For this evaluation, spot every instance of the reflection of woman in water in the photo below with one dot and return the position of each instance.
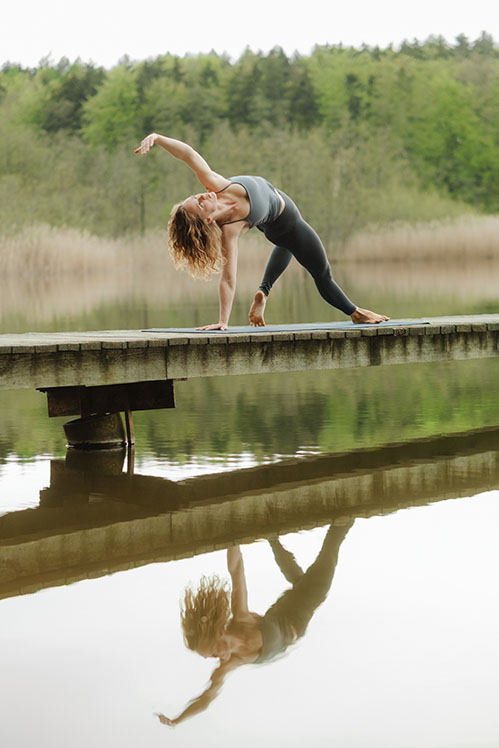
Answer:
(204, 231)
(217, 623)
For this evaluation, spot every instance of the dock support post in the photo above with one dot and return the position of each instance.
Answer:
(130, 432)
(99, 408)
(96, 432)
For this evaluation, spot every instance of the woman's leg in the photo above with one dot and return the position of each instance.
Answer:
(277, 264)
(293, 236)
(286, 561)
(299, 603)
(308, 249)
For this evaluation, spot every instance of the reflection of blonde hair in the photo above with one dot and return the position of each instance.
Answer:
(205, 612)
(194, 244)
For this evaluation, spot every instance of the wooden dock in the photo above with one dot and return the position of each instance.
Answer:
(96, 359)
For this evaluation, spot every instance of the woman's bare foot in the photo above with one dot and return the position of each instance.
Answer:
(365, 316)
(256, 311)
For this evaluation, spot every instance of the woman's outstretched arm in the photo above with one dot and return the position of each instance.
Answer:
(200, 703)
(186, 153)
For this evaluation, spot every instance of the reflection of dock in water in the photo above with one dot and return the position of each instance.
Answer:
(91, 522)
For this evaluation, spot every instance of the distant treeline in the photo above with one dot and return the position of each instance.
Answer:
(357, 136)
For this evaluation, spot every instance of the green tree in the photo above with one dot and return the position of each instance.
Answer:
(110, 117)
(64, 106)
(242, 87)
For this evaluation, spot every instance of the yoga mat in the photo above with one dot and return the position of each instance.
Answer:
(290, 328)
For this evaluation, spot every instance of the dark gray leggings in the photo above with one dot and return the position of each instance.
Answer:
(293, 237)
(310, 588)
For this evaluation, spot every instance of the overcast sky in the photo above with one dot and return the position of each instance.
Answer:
(103, 30)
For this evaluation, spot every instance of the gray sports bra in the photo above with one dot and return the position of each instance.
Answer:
(277, 636)
(265, 201)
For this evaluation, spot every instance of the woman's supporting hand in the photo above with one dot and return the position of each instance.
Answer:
(218, 326)
(147, 144)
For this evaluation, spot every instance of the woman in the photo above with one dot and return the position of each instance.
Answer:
(205, 228)
(217, 623)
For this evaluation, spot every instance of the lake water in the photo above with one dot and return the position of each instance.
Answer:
(95, 552)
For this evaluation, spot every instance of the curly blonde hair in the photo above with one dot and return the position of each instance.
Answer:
(205, 612)
(194, 244)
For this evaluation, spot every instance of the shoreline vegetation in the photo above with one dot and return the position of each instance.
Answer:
(66, 273)
(463, 238)
(359, 137)
(42, 251)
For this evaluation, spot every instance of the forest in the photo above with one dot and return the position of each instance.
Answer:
(359, 137)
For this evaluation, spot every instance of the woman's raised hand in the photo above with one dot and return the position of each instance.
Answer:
(147, 144)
